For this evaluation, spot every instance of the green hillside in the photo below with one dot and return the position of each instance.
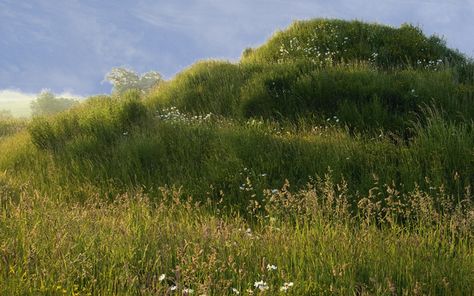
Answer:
(338, 157)
(370, 76)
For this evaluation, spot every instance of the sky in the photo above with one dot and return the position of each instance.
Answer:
(68, 46)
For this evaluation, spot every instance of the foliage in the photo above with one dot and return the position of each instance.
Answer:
(47, 104)
(124, 79)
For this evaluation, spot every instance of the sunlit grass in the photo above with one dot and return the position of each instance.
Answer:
(300, 243)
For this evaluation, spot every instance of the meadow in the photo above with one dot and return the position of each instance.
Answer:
(335, 159)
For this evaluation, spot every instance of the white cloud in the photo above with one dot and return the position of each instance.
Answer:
(8, 95)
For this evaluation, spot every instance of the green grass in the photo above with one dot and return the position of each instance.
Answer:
(363, 97)
(97, 248)
(88, 146)
(9, 126)
(325, 42)
(352, 175)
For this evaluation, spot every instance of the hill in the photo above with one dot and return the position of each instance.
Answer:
(337, 158)
(370, 76)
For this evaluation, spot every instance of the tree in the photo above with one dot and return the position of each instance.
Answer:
(124, 79)
(5, 114)
(47, 104)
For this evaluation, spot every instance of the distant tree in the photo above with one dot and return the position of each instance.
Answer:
(124, 79)
(47, 103)
(5, 114)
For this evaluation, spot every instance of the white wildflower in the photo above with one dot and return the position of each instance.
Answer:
(162, 277)
(261, 285)
(271, 267)
(286, 286)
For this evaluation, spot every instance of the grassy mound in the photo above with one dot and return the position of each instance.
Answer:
(326, 42)
(322, 117)
(370, 77)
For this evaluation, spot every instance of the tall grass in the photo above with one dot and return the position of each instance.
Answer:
(9, 126)
(133, 246)
(361, 96)
(212, 154)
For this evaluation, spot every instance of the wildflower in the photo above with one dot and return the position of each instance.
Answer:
(187, 291)
(271, 267)
(261, 285)
(263, 175)
(274, 191)
(162, 277)
(173, 288)
(125, 133)
(235, 291)
(286, 286)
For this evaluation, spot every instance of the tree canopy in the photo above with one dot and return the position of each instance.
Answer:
(124, 79)
(47, 103)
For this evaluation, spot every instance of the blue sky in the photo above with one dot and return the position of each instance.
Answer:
(69, 45)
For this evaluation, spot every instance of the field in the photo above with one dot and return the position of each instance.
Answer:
(335, 159)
